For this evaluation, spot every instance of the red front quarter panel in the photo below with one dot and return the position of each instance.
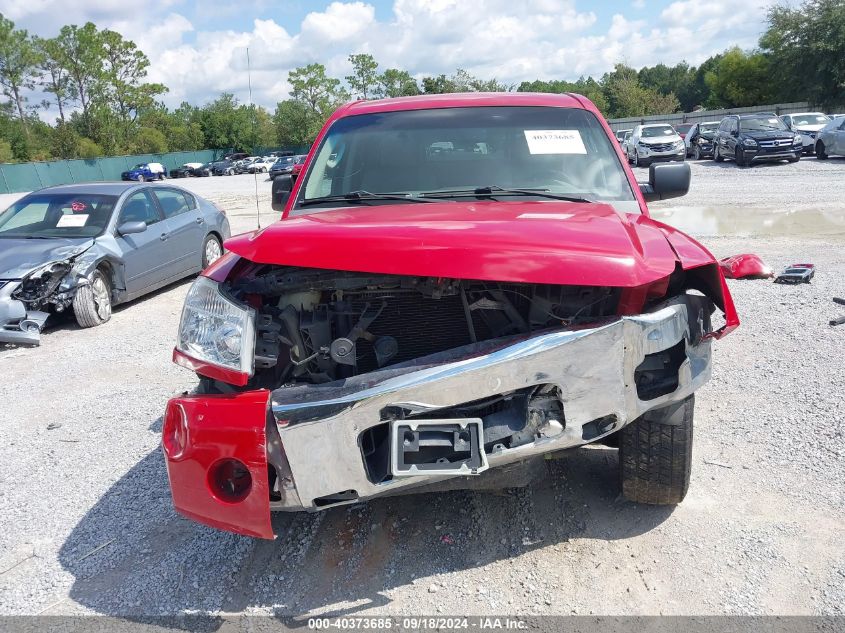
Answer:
(219, 427)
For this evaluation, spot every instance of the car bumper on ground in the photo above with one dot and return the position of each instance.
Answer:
(309, 437)
(17, 325)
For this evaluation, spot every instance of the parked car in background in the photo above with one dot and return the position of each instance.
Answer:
(223, 168)
(235, 156)
(620, 135)
(682, 129)
(262, 165)
(145, 171)
(242, 166)
(807, 124)
(831, 139)
(655, 142)
(748, 138)
(420, 316)
(284, 165)
(186, 170)
(699, 139)
(204, 170)
(836, 116)
(297, 167)
(89, 246)
(626, 138)
(796, 274)
(282, 153)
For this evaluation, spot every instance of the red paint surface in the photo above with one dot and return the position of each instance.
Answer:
(745, 265)
(218, 427)
(211, 370)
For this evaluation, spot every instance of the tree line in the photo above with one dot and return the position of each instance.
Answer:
(95, 80)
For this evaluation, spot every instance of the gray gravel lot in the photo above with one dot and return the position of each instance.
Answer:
(87, 525)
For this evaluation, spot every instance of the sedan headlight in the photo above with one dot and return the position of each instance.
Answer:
(749, 142)
(215, 329)
(678, 144)
(797, 139)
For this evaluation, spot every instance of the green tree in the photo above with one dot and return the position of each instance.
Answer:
(364, 78)
(311, 86)
(397, 83)
(6, 155)
(806, 48)
(55, 78)
(65, 141)
(438, 85)
(81, 53)
(294, 123)
(89, 149)
(19, 60)
(740, 79)
(148, 140)
(588, 87)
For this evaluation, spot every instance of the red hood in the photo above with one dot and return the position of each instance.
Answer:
(531, 242)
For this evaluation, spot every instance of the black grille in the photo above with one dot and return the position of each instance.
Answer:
(660, 147)
(420, 325)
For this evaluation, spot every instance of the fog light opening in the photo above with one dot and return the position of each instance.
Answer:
(230, 480)
(174, 435)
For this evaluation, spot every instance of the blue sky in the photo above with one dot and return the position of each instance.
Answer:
(198, 47)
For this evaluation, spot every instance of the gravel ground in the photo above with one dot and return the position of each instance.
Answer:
(88, 526)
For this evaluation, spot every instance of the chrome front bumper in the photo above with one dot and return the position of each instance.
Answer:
(16, 324)
(319, 426)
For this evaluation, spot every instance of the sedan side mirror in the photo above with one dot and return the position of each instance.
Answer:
(128, 228)
(282, 186)
(666, 181)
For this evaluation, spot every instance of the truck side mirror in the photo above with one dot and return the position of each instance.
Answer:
(666, 181)
(282, 186)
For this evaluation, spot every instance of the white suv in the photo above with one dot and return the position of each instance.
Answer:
(808, 125)
(650, 143)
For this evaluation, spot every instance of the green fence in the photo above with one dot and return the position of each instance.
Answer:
(16, 177)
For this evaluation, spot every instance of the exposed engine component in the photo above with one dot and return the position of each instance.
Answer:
(316, 326)
(37, 287)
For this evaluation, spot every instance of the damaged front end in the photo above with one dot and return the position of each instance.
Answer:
(26, 303)
(361, 385)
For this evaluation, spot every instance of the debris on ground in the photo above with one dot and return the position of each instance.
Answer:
(745, 266)
(796, 274)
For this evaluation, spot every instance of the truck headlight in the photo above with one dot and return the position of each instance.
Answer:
(216, 330)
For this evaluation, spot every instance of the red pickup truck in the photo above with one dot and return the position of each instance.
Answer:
(458, 283)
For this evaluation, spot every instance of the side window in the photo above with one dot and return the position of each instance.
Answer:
(139, 207)
(172, 202)
(734, 126)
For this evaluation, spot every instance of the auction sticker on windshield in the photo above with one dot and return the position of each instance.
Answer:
(72, 219)
(555, 142)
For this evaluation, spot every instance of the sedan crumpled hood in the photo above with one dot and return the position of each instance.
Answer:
(529, 242)
(20, 256)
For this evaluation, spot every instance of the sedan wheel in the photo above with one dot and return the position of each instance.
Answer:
(141, 178)
(92, 303)
(696, 153)
(212, 250)
(820, 153)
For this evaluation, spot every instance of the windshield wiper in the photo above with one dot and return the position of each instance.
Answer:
(362, 196)
(495, 190)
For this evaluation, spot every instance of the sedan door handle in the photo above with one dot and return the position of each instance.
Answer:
(163, 237)
(200, 220)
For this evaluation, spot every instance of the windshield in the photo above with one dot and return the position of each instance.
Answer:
(683, 128)
(809, 119)
(287, 160)
(707, 128)
(140, 166)
(57, 215)
(657, 130)
(457, 150)
(761, 124)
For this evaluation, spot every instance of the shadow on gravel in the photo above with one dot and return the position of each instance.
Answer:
(133, 557)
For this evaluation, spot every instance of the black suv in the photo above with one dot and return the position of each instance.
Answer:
(746, 138)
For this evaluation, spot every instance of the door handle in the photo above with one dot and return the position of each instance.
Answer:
(200, 220)
(163, 237)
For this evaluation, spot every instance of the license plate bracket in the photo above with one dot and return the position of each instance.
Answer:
(437, 447)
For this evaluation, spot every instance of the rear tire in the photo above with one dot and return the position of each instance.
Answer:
(92, 302)
(141, 178)
(655, 455)
(696, 153)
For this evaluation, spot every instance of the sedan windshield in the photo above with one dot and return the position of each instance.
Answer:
(809, 119)
(453, 153)
(49, 215)
(658, 130)
(707, 128)
(761, 124)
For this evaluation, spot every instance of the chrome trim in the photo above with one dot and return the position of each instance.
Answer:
(320, 425)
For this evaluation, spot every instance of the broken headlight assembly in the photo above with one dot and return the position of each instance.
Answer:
(42, 282)
(216, 334)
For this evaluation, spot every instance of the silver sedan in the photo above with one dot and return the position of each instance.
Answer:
(831, 139)
(87, 247)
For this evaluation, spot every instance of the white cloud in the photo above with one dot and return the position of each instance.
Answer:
(512, 41)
